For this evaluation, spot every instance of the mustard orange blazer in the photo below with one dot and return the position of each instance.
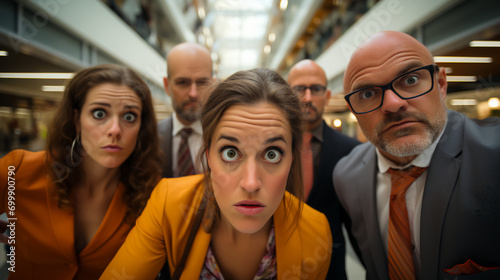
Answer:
(44, 233)
(303, 250)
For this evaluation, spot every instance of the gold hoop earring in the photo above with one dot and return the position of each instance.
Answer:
(75, 141)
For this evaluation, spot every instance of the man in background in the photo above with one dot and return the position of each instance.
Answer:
(322, 149)
(189, 75)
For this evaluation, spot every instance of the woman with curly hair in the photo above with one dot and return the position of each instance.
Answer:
(73, 204)
(244, 218)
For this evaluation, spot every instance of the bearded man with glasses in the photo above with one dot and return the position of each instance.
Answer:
(323, 147)
(423, 196)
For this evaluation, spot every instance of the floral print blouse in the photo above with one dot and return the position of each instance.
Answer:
(267, 268)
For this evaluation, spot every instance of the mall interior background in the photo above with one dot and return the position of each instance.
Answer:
(44, 42)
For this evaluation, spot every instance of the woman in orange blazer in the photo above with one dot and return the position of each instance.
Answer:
(69, 208)
(252, 221)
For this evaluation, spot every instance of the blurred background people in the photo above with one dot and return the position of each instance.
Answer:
(322, 148)
(189, 75)
(76, 202)
(245, 213)
(423, 194)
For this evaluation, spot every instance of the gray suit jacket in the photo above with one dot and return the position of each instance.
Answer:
(165, 134)
(460, 218)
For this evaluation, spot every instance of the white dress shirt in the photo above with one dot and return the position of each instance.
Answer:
(413, 197)
(194, 140)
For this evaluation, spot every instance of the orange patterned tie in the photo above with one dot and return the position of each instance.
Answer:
(400, 247)
(307, 163)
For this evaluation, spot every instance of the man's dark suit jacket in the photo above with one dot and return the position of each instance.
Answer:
(165, 133)
(323, 198)
(460, 216)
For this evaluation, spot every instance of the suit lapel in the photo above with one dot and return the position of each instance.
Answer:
(166, 143)
(366, 188)
(441, 180)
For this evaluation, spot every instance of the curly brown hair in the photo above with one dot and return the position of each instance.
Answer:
(251, 87)
(141, 170)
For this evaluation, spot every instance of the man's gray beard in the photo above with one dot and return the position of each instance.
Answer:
(190, 115)
(434, 129)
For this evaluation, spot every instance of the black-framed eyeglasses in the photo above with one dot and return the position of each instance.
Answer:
(317, 90)
(407, 86)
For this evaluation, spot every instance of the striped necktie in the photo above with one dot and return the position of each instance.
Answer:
(400, 247)
(185, 165)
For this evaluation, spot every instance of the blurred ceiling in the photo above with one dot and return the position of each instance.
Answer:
(238, 33)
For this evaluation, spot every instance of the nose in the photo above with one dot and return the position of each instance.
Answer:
(250, 180)
(392, 102)
(114, 129)
(193, 91)
(306, 98)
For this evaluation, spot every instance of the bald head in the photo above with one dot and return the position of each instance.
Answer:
(190, 54)
(309, 80)
(189, 74)
(306, 67)
(383, 50)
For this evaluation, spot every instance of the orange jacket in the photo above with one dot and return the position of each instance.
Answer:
(303, 251)
(44, 233)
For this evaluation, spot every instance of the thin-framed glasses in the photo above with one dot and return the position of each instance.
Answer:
(183, 83)
(317, 90)
(407, 86)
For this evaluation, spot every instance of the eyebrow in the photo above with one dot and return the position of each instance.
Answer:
(109, 105)
(407, 68)
(270, 140)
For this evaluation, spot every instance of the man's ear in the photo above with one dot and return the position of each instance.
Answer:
(442, 83)
(165, 85)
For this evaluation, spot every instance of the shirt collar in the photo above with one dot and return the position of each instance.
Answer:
(177, 126)
(422, 160)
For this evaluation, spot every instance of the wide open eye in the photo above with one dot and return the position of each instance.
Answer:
(230, 154)
(273, 155)
(99, 114)
(410, 80)
(129, 117)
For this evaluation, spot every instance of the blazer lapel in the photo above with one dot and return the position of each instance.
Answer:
(63, 225)
(441, 180)
(288, 247)
(110, 223)
(366, 188)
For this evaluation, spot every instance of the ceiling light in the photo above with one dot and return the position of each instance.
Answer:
(4, 53)
(283, 4)
(463, 102)
(448, 70)
(272, 37)
(494, 102)
(462, 59)
(53, 88)
(484, 44)
(337, 123)
(60, 76)
(469, 79)
(267, 49)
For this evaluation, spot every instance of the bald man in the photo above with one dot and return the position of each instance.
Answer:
(451, 224)
(189, 75)
(309, 80)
